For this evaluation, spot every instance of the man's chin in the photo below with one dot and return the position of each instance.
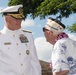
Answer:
(18, 28)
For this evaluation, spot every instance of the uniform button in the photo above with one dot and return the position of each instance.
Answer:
(22, 74)
(8, 48)
(19, 53)
(27, 52)
(21, 64)
(16, 43)
(26, 44)
(13, 35)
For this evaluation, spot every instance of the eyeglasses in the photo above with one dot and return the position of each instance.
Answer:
(44, 29)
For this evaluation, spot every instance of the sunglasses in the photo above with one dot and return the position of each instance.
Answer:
(44, 29)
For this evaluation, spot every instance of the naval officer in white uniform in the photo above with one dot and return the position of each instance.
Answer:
(17, 50)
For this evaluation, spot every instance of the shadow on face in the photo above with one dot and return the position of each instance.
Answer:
(12, 23)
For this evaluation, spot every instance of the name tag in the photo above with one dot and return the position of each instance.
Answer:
(7, 43)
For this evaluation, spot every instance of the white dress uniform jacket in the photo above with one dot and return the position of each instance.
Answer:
(18, 54)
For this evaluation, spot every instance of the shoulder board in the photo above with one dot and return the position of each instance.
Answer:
(27, 31)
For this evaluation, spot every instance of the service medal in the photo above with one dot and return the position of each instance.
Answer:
(23, 38)
(27, 52)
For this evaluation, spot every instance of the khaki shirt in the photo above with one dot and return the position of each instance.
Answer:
(18, 54)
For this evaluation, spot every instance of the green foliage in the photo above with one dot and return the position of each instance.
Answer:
(52, 7)
(29, 6)
(43, 8)
(72, 28)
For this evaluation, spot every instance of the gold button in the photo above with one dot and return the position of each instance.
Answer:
(26, 44)
(27, 52)
(13, 35)
(19, 53)
(8, 48)
(21, 64)
(16, 43)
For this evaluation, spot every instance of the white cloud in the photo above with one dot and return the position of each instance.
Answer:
(1, 8)
(72, 36)
(44, 48)
(28, 22)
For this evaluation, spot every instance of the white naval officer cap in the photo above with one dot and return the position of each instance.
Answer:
(14, 11)
(54, 25)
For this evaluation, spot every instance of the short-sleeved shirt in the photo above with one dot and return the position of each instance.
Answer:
(64, 56)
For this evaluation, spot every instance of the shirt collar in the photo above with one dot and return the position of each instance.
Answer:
(9, 32)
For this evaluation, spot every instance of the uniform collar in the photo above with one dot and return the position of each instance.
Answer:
(9, 32)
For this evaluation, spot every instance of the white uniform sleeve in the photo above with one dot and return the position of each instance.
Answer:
(36, 67)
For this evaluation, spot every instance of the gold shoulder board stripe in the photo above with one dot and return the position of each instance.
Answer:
(27, 31)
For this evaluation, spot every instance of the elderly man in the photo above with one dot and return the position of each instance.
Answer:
(17, 50)
(63, 57)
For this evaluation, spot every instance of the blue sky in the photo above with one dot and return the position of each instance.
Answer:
(36, 25)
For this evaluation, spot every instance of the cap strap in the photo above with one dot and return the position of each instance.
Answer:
(16, 15)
